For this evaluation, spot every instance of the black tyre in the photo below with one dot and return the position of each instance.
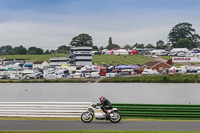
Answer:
(87, 117)
(115, 117)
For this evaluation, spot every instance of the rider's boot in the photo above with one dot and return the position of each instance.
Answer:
(107, 115)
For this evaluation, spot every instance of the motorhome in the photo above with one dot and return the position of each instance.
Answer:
(173, 70)
(30, 74)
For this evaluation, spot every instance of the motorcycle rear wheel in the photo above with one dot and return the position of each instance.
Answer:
(115, 117)
(87, 117)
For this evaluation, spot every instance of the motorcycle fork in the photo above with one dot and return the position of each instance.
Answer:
(89, 113)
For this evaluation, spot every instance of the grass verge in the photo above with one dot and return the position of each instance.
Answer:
(83, 80)
(157, 79)
(99, 131)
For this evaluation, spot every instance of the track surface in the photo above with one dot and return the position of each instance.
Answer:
(25, 125)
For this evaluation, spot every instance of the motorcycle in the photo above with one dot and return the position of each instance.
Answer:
(96, 112)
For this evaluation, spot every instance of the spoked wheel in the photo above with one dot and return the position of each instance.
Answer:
(87, 117)
(115, 117)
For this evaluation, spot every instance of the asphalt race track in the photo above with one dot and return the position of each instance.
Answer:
(33, 125)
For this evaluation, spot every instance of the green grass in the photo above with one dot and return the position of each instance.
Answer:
(82, 80)
(157, 79)
(34, 58)
(113, 59)
(166, 57)
(99, 59)
(96, 131)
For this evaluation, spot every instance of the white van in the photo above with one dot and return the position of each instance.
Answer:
(95, 75)
(149, 72)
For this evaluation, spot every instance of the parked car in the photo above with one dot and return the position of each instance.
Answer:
(165, 53)
(154, 56)
(173, 54)
(75, 75)
(198, 71)
(87, 75)
(181, 54)
(149, 72)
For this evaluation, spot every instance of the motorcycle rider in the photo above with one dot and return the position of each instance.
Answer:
(106, 105)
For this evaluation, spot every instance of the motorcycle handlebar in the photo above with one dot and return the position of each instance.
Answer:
(94, 105)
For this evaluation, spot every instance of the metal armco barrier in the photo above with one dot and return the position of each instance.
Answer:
(42, 109)
(174, 111)
(75, 109)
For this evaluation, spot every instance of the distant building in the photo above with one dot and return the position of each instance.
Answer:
(80, 56)
(58, 61)
(40, 64)
(156, 65)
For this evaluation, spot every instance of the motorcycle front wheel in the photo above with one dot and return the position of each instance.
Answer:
(115, 117)
(87, 117)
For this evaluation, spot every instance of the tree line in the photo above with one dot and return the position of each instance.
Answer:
(21, 50)
(181, 35)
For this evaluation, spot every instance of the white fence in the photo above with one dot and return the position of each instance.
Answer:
(42, 109)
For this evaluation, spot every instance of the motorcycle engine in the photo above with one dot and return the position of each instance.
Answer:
(99, 115)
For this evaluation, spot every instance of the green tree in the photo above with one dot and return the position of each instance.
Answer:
(150, 46)
(101, 48)
(183, 43)
(63, 49)
(181, 31)
(113, 46)
(4, 50)
(127, 47)
(52, 51)
(35, 50)
(20, 50)
(95, 48)
(47, 52)
(82, 40)
(12, 52)
(160, 44)
(39, 51)
(32, 52)
(138, 45)
(167, 46)
(110, 41)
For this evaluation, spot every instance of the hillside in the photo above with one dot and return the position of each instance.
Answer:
(113, 59)
(33, 58)
(99, 59)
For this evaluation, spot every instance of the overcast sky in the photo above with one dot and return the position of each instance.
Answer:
(49, 24)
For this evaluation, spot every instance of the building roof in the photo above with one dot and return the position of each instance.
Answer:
(38, 62)
(151, 63)
(154, 63)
